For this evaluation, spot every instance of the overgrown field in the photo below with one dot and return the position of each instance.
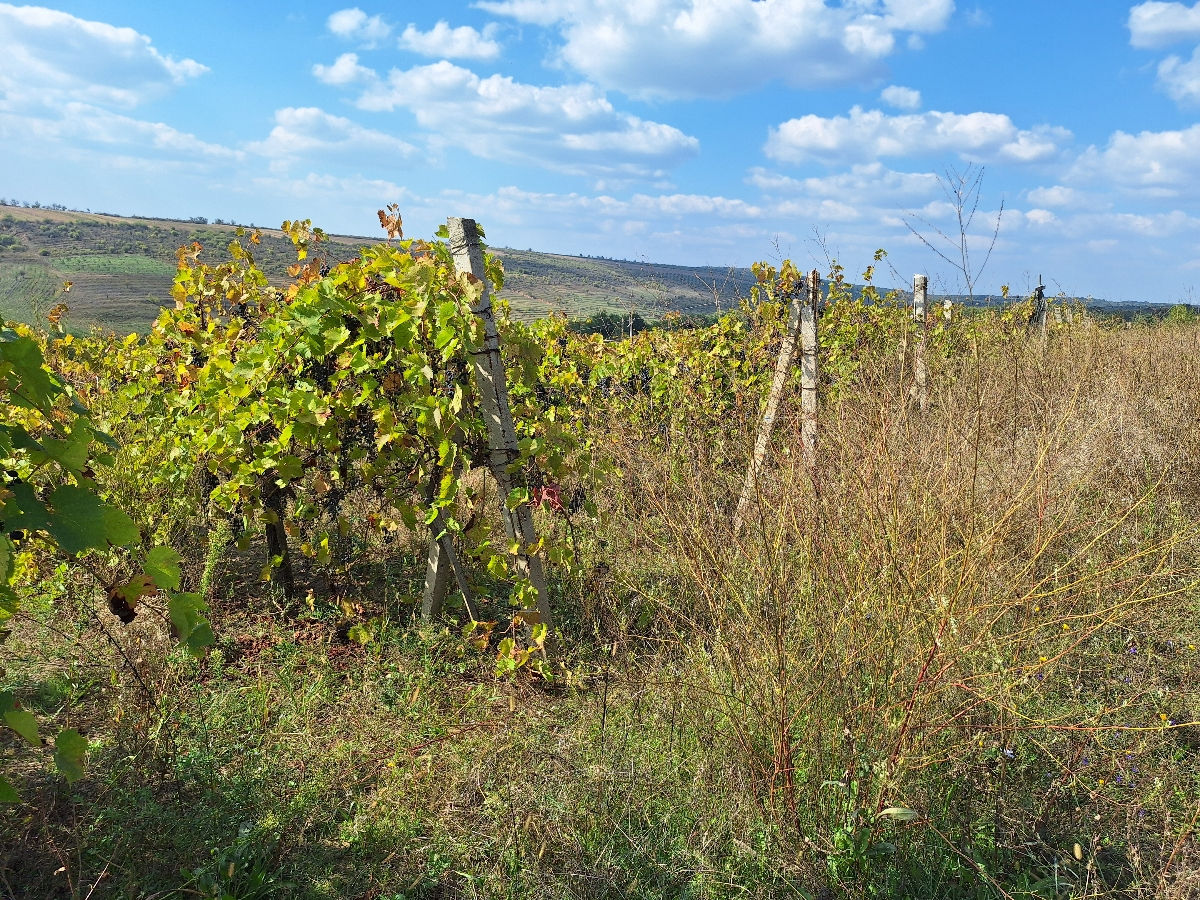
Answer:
(956, 657)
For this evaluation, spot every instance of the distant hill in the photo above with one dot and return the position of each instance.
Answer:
(121, 271)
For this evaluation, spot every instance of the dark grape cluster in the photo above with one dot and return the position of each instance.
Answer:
(320, 371)
(359, 431)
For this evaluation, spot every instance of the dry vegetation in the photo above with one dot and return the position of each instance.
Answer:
(957, 659)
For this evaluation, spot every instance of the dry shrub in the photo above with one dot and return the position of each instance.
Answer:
(935, 616)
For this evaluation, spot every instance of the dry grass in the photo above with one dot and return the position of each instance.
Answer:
(986, 614)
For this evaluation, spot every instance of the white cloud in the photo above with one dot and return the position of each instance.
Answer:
(82, 125)
(355, 25)
(572, 128)
(901, 97)
(693, 48)
(308, 132)
(1181, 79)
(52, 57)
(345, 70)
(1040, 217)
(1056, 196)
(1163, 165)
(445, 42)
(1157, 24)
(442, 41)
(870, 134)
(869, 184)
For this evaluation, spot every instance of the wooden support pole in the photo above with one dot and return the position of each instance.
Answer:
(492, 384)
(783, 369)
(441, 562)
(920, 372)
(274, 502)
(809, 370)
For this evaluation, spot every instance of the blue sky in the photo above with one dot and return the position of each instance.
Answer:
(690, 131)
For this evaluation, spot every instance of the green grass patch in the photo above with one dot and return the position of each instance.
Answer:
(115, 264)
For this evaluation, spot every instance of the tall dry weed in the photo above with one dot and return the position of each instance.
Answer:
(927, 620)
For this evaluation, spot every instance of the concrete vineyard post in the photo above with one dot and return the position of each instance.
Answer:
(809, 370)
(783, 368)
(920, 372)
(492, 385)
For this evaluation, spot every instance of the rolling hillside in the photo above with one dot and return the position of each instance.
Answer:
(121, 271)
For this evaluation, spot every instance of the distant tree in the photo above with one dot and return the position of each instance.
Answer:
(963, 188)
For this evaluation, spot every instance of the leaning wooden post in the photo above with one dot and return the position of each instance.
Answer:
(492, 384)
(783, 369)
(441, 562)
(809, 372)
(920, 373)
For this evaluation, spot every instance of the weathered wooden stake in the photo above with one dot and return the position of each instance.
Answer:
(783, 368)
(809, 371)
(441, 562)
(492, 384)
(920, 374)
(274, 501)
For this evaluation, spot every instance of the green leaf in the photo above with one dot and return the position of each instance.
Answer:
(190, 626)
(71, 454)
(119, 529)
(24, 724)
(70, 748)
(7, 793)
(82, 521)
(162, 565)
(24, 511)
(6, 561)
(37, 387)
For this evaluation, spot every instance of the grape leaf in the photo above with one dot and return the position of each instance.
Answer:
(22, 356)
(70, 747)
(190, 626)
(23, 723)
(23, 511)
(82, 521)
(162, 565)
(7, 794)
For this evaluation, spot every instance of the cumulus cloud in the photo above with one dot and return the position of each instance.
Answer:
(442, 41)
(82, 125)
(901, 97)
(694, 48)
(870, 134)
(309, 132)
(869, 184)
(1162, 165)
(571, 128)
(1056, 196)
(1181, 79)
(355, 25)
(52, 57)
(345, 70)
(445, 42)
(1158, 24)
